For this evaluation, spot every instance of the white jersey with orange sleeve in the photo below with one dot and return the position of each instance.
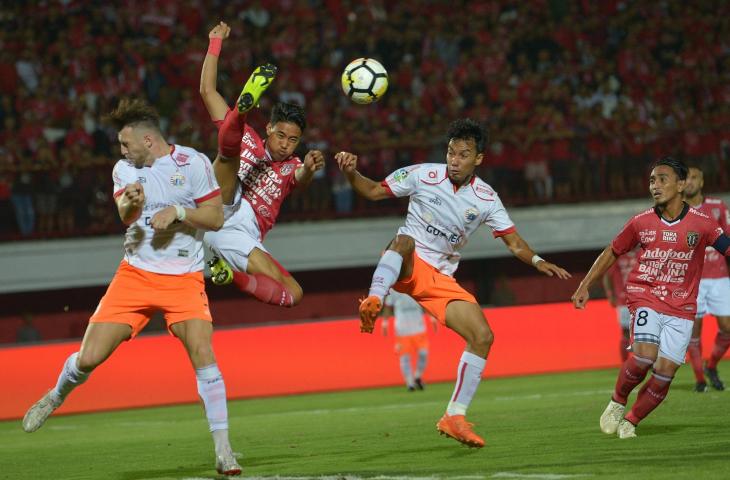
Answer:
(441, 217)
(407, 313)
(183, 177)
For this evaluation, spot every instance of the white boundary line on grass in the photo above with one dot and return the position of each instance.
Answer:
(531, 476)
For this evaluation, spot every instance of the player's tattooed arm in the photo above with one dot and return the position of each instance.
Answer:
(214, 102)
(130, 203)
(598, 269)
(313, 161)
(365, 187)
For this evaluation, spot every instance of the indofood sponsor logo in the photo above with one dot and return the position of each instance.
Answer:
(670, 254)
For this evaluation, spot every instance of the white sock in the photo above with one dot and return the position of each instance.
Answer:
(212, 391)
(421, 362)
(405, 368)
(467, 380)
(69, 378)
(386, 273)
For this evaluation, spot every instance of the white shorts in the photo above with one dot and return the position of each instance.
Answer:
(671, 334)
(624, 317)
(714, 297)
(238, 237)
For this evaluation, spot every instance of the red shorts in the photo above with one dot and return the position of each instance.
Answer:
(410, 344)
(135, 294)
(432, 289)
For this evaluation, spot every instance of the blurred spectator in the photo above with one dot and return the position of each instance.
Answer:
(578, 96)
(27, 332)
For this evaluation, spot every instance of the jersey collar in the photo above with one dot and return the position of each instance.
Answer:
(682, 214)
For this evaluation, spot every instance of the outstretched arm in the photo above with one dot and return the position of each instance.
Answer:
(364, 186)
(520, 249)
(599, 267)
(214, 102)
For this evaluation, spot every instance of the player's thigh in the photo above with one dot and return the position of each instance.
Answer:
(467, 319)
(646, 329)
(226, 172)
(665, 366)
(261, 262)
(674, 338)
(697, 328)
(100, 340)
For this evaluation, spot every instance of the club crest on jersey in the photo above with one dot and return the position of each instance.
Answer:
(471, 214)
(177, 179)
(264, 211)
(400, 175)
(286, 169)
(693, 238)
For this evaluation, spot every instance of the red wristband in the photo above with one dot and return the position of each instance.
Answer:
(214, 47)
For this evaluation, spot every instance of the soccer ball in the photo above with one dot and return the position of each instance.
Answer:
(364, 80)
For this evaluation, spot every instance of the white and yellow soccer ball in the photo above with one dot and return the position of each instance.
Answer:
(365, 80)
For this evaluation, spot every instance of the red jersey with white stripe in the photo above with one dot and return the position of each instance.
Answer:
(264, 182)
(715, 263)
(441, 217)
(667, 273)
(184, 177)
(619, 274)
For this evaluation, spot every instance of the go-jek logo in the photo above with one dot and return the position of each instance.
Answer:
(450, 237)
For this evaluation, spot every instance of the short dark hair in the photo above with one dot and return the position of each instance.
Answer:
(134, 112)
(288, 112)
(466, 129)
(677, 165)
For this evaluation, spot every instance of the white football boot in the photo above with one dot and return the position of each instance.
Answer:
(36, 415)
(226, 464)
(626, 429)
(611, 417)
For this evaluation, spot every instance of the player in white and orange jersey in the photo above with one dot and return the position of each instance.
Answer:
(448, 202)
(167, 195)
(411, 339)
(255, 176)
(714, 294)
(661, 292)
(614, 283)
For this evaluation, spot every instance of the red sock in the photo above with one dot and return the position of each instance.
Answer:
(264, 288)
(624, 346)
(632, 373)
(722, 342)
(230, 134)
(650, 396)
(695, 358)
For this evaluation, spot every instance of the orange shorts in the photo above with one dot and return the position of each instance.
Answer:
(432, 289)
(135, 294)
(411, 343)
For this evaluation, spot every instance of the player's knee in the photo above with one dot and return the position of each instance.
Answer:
(201, 354)
(403, 244)
(482, 338)
(88, 361)
(296, 294)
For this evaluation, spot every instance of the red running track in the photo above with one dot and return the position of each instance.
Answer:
(313, 357)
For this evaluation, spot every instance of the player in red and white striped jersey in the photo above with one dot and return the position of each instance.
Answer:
(255, 176)
(661, 291)
(714, 295)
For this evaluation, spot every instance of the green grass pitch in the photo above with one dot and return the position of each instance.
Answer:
(536, 427)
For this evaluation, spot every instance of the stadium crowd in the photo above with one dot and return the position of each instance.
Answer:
(578, 95)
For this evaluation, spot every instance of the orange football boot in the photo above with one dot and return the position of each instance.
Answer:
(456, 427)
(369, 309)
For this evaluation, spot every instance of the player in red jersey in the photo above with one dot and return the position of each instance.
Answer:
(614, 283)
(255, 176)
(661, 291)
(714, 294)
